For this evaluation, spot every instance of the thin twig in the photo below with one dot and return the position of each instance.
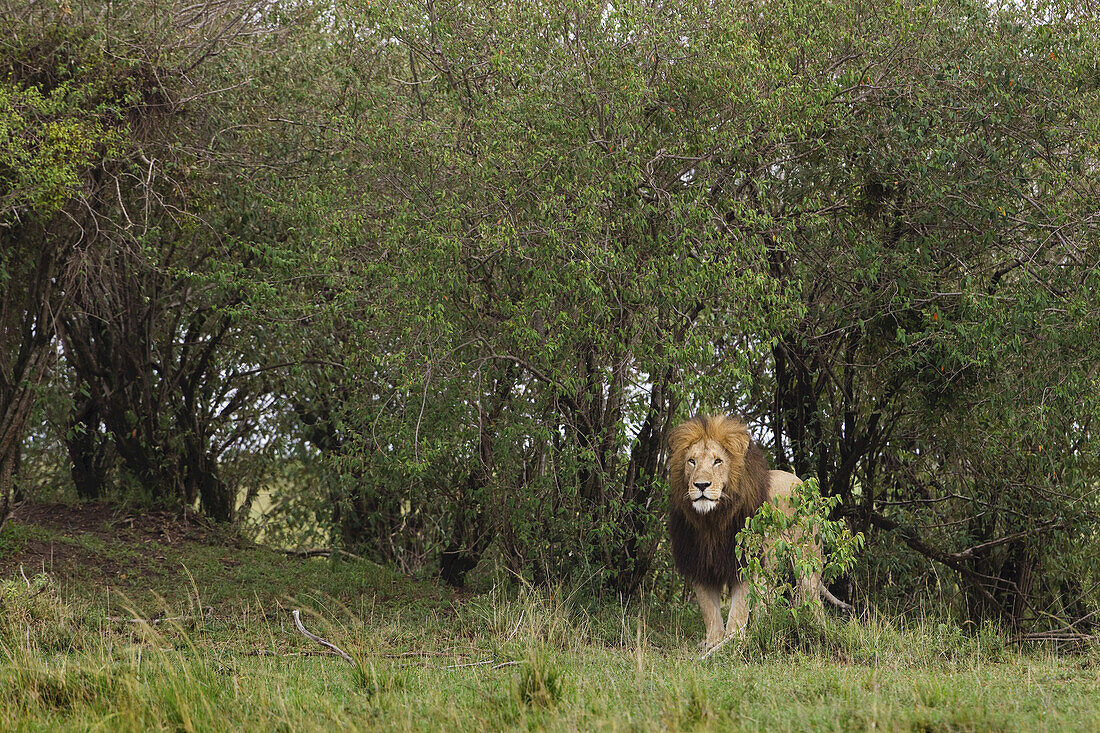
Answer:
(206, 612)
(717, 646)
(269, 653)
(319, 640)
(324, 552)
(506, 664)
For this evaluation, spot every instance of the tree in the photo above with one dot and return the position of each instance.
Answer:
(168, 376)
(478, 259)
(60, 132)
(546, 185)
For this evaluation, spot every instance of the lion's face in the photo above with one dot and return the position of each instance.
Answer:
(707, 470)
(706, 474)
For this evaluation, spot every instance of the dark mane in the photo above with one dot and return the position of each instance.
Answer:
(704, 545)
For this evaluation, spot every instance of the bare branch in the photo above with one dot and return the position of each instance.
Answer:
(717, 646)
(324, 552)
(319, 640)
(970, 551)
(204, 612)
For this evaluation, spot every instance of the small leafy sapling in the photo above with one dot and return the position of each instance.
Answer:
(801, 539)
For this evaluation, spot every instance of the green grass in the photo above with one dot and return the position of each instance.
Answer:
(517, 659)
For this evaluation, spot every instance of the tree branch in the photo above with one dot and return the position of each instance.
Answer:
(909, 536)
(970, 551)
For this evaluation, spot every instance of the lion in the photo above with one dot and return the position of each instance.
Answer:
(719, 478)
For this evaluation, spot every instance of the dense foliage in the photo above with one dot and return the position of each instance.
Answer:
(777, 548)
(444, 275)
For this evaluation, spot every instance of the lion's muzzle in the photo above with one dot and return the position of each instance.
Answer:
(703, 504)
(704, 500)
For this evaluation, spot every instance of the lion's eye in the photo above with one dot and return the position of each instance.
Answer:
(691, 461)
(717, 461)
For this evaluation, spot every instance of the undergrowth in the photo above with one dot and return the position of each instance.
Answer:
(520, 658)
(874, 641)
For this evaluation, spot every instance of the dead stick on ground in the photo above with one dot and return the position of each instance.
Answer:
(324, 552)
(496, 665)
(319, 640)
(268, 653)
(468, 664)
(443, 653)
(717, 646)
(208, 611)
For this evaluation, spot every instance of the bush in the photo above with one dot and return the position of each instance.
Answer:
(802, 540)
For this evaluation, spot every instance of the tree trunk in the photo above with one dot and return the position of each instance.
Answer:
(470, 534)
(7, 476)
(17, 398)
(633, 559)
(86, 449)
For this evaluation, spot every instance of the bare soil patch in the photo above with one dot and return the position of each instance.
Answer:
(97, 543)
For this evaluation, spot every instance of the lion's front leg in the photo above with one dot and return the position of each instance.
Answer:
(710, 603)
(739, 608)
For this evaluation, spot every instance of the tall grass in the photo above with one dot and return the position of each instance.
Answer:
(525, 658)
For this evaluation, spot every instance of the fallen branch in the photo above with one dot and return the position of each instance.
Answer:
(206, 612)
(319, 640)
(468, 664)
(324, 552)
(506, 664)
(433, 653)
(717, 646)
(269, 653)
(496, 665)
(1056, 635)
(337, 652)
(465, 665)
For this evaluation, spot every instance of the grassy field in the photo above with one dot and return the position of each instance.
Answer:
(116, 622)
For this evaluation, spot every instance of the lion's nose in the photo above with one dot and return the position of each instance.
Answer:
(702, 485)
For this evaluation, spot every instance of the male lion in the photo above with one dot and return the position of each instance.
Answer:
(719, 479)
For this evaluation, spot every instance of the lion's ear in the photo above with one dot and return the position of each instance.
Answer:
(734, 437)
(684, 434)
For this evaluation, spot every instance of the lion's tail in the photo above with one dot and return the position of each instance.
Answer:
(834, 600)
